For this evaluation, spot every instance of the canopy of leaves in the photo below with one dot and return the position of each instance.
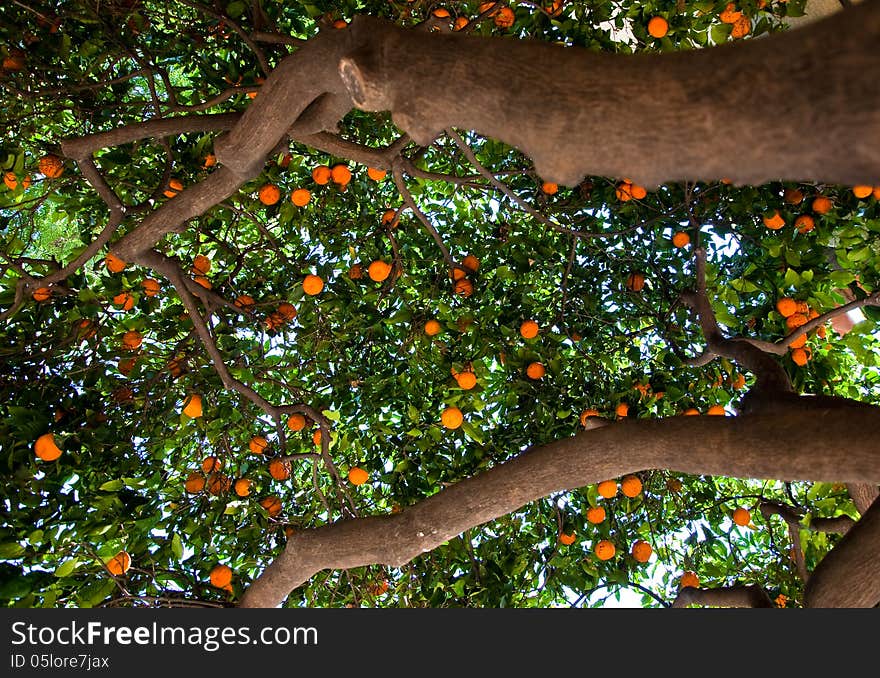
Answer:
(357, 353)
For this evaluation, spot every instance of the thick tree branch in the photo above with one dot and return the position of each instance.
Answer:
(751, 595)
(746, 446)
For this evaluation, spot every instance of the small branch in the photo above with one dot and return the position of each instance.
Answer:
(429, 227)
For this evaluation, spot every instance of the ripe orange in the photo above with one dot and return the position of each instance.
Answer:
(313, 284)
(126, 365)
(379, 270)
(192, 406)
(795, 320)
(608, 489)
(296, 422)
(300, 197)
(340, 23)
(218, 483)
(10, 180)
(471, 263)
(786, 307)
(466, 380)
(730, 15)
(340, 174)
(269, 194)
(272, 505)
(595, 514)
(504, 18)
(356, 272)
(641, 551)
(463, 287)
(689, 578)
(388, 216)
(175, 186)
(691, 411)
(287, 310)
(211, 464)
(51, 166)
(432, 328)
(316, 437)
(221, 576)
(210, 160)
(279, 469)
(550, 188)
(42, 294)
(195, 482)
(637, 192)
(567, 538)
(535, 370)
(441, 13)
(357, 476)
(604, 550)
(46, 449)
(151, 287)
(635, 282)
(717, 410)
(586, 414)
(132, 340)
(741, 27)
(376, 174)
(742, 517)
(739, 382)
(793, 196)
(114, 263)
(858, 191)
(201, 264)
(529, 329)
(681, 239)
(258, 445)
(622, 410)
(800, 356)
(242, 487)
(321, 174)
(804, 223)
(774, 221)
(631, 486)
(123, 299)
(658, 27)
(821, 205)
(451, 417)
(119, 564)
(460, 23)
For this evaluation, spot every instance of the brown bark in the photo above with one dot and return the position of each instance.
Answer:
(849, 575)
(863, 495)
(787, 445)
(731, 596)
(653, 118)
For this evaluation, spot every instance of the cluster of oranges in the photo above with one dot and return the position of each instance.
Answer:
(270, 194)
(742, 25)
(797, 314)
(804, 222)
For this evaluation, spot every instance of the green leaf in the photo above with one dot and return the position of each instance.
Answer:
(66, 568)
(10, 550)
(177, 546)
(112, 485)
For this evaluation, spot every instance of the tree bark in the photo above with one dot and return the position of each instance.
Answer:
(849, 576)
(784, 445)
(731, 596)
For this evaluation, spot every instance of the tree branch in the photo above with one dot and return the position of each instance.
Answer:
(750, 595)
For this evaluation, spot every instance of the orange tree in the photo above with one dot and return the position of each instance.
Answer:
(395, 304)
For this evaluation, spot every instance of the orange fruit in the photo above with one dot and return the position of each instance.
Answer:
(471, 263)
(586, 414)
(51, 166)
(10, 180)
(631, 486)
(596, 515)
(379, 270)
(242, 487)
(432, 328)
(218, 483)
(211, 464)
(858, 191)
(287, 310)
(300, 197)
(691, 411)
(279, 469)
(795, 320)
(321, 174)
(466, 380)
(356, 272)
(175, 186)
(210, 160)
(114, 263)
(151, 287)
(567, 538)
(730, 15)
(460, 23)
(125, 300)
(43, 294)
(637, 192)
(463, 287)
(132, 340)
(244, 302)
(689, 578)
(46, 449)
(741, 517)
(313, 284)
(608, 489)
(622, 410)
(681, 239)
(641, 551)
(550, 188)
(272, 505)
(340, 23)
(658, 27)
(388, 216)
(221, 576)
(804, 223)
(195, 482)
(717, 410)
(451, 417)
(316, 437)
(786, 307)
(739, 382)
(126, 365)
(119, 564)
(741, 27)
(296, 422)
(258, 445)
(793, 196)
(529, 329)
(504, 18)
(203, 281)
(340, 174)
(800, 356)
(192, 406)
(821, 205)
(623, 191)
(269, 194)
(673, 485)
(357, 476)
(535, 370)
(876, 189)
(635, 282)
(441, 13)
(376, 174)
(774, 221)
(604, 550)
(201, 264)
